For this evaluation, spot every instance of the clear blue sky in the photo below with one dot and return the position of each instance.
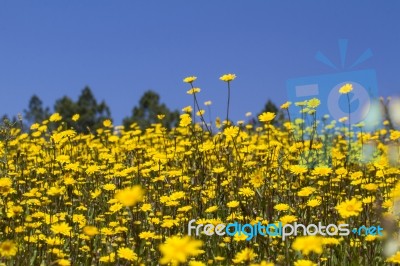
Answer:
(123, 48)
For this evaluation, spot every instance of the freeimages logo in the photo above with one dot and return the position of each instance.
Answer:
(326, 88)
(284, 231)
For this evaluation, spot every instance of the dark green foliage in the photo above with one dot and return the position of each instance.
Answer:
(146, 113)
(36, 112)
(92, 114)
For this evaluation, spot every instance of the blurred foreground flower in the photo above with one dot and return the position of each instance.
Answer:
(177, 250)
(130, 196)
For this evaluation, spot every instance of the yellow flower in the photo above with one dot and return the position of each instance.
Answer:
(75, 117)
(185, 120)
(211, 209)
(313, 103)
(5, 186)
(176, 250)
(55, 117)
(90, 230)
(232, 204)
(349, 208)
(286, 105)
(108, 258)
(395, 135)
(61, 228)
(130, 196)
(307, 244)
(395, 258)
(63, 262)
(245, 255)
(8, 248)
(304, 263)
(146, 235)
(313, 203)
(189, 79)
(193, 91)
(109, 187)
(281, 207)
(227, 77)
(127, 253)
(346, 88)
(287, 219)
(107, 123)
(266, 116)
(298, 169)
(231, 132)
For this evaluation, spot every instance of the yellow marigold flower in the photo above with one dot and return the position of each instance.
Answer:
(346, 88)
(330, 241)
(176, 250)
(287, 219)
(145, 207)
(200, 112)
(63, 262)
(370, 238)
(246, 255)
(308, 244)
(127, 253)
(109, 187)
(107, 123)
(231, 132)
(322, 171)
(266, 116)
(35, 126)
(211, 209)
(313, 103)
(281, 207)
(90, 230)
(130, 196)
(246, 191)
(286, 105)
(8, 249)
(5, 186)
(108, 258)
(395, 258)
(187, 109)
(61, 228)
(227, 77)
(75, 117)
(160, 116)
(262, 263)
(193, 91)
(185, 120)
(304, 263)
(55, 117)
(298, 169)
(196, 263)
(395, 135)
(189, 79)
(313, 203)
(146, 235)
(232, 204)
(349, 208)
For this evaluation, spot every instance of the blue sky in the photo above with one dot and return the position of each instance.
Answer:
(123, 48)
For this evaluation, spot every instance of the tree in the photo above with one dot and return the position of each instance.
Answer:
(36, 112)
(91, 113)
(146, 113)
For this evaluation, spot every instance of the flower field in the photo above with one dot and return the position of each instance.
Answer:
(125, 197)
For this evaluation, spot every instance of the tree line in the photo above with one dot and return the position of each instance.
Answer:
(92, 113)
